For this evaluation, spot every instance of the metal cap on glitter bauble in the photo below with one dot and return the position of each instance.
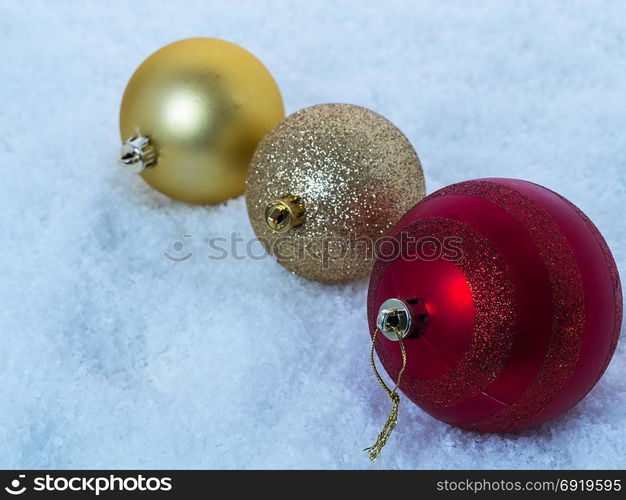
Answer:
(326, 184)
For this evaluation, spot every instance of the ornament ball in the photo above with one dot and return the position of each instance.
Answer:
(326, 184)
(192, 115)
(514, 298)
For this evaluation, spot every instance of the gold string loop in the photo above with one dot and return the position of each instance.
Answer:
(392, 419)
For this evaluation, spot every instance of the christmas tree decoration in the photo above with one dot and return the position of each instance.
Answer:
(326, 184)
(192, 115)
(505, 299)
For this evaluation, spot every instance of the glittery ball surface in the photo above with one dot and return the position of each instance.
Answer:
(356, 173)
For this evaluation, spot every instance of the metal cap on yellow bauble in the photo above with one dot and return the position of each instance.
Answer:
(192, 115)
(326, 184)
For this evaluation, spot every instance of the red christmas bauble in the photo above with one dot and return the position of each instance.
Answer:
(516, 304)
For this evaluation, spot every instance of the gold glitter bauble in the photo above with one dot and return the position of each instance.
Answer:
(326, 184)
(193, 114)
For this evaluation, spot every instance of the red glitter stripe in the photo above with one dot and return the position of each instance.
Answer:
(493, 296)
(569, 305)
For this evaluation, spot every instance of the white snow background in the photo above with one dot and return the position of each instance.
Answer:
(112, 356)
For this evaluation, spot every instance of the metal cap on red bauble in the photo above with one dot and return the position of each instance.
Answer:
(520, 304)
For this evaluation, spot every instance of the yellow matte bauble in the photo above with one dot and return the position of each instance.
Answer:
(192, 115)
(326, 184)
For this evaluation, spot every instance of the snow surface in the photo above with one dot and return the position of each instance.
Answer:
(114, 357)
